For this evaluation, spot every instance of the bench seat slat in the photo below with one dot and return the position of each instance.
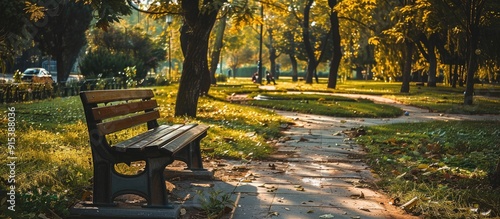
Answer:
(107, 112)
(163, 139)
(186, 138)
(116, 95)
(120, 124)
(146, 137)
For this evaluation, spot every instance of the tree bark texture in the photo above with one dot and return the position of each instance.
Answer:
(295, 74)
(429, 53)
(215, 57)
(337, 52)
(195, 78)
(272, 52)
(408, 52)
(311, 59)
(473, 12)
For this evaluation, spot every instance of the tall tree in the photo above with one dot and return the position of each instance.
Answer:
(63, 35)
(195, 31)
(312, 62)
(408, 42)
(314, 39)
(14, 36)
(473, 17)
(273, 54)
(337, 53)
(473, 11)
(198, 18)
(217, 47)
(285, 40)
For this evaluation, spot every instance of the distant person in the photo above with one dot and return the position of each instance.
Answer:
(269, 78)
(229, 73)
(255, 77)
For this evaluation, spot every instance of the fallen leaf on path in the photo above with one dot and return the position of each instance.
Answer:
(326, 216)
(183, 211)
(487, 213)
(274, 213)
(302, 139)
(364, 209)
(358, 196)
(423, 166)
(410, 204)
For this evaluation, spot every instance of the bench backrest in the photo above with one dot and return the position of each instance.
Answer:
(109, 111)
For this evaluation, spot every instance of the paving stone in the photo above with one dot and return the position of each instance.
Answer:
(304, 212)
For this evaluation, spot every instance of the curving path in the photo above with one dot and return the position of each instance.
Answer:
(316, 155)
(316, 172)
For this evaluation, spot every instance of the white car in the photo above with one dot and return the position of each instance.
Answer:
(36, 75)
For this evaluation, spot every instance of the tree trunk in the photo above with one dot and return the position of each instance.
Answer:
(293, 60)
(272, 53)
(214, 61)
(471, 70)
(455, 76)
(428, 51)
(432, 80)
(195, 78)
(311, 67)
(473, 14)
(337, 52)
(61, 70)
(432, 59)
(311, 58)
(405, 87)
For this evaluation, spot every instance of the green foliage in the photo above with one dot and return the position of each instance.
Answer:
(214, 203)
(130, 74)
(113, 50)
(103, 64)
(39, 201)
(446, 163)
(12, 26)
(62, 34)
(109, 11)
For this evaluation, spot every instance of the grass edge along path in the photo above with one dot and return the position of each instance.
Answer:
(447, 165)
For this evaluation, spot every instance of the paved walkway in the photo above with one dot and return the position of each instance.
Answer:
(316, 172)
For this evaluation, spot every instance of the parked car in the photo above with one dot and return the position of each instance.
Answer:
(37, 75)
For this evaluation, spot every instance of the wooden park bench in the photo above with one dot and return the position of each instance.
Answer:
(110, 111)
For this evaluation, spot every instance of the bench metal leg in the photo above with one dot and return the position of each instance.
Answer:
(191, 155)
(102, 189)
(158, 196)
(150, 184)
